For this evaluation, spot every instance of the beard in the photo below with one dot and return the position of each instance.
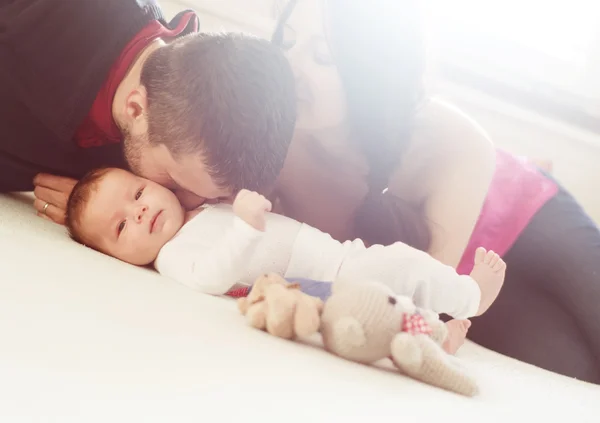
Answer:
(133, 147)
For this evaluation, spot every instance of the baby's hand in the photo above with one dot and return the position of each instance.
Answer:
(251, 207)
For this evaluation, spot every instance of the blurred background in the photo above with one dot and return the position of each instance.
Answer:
(527, 70)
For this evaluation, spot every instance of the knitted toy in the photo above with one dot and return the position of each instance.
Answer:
(360, 322)
(366, 322)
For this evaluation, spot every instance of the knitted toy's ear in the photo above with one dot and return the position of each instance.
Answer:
(349, 332)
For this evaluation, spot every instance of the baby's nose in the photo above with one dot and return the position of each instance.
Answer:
(139, 214)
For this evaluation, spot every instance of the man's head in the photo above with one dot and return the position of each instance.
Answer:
(123, 215)
(213, 113)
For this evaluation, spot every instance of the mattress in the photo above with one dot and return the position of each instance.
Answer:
(87, 338)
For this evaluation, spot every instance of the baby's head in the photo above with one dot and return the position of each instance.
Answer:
(123, 215)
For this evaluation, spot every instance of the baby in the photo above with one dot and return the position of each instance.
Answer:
(217, 248)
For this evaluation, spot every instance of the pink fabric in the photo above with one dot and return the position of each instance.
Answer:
(415, 324)
(518, 190)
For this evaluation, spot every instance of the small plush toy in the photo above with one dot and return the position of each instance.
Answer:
(360, 322)
(281, 308)
(366, 322)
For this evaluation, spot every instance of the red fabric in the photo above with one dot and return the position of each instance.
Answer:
(99, 127)
(239, 292)
(415, 324)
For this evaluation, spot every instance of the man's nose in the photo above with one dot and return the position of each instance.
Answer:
(140, 211)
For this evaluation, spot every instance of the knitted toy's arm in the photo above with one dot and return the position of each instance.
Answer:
(419, 357)
(438, 328)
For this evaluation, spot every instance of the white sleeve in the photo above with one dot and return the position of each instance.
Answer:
(215, 268)
(440, 289)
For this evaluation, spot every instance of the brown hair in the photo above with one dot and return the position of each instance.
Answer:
(378, 50)
(229, 97)
(78, 200)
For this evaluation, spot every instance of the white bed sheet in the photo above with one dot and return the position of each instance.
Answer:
(87, 338)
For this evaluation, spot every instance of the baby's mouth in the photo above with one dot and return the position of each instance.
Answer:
(153, 221)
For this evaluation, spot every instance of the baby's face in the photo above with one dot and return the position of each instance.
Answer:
(131, 218)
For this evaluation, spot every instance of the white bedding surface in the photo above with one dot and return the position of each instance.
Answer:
(87, 338)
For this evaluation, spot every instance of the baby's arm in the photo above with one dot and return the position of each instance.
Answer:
(217, 268)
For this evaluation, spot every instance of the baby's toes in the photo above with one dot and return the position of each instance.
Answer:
(489, 257)
(499, 266)
(494, 260)
(480, 255)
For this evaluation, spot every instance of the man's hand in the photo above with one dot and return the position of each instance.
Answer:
(54, 191)
(251, 207)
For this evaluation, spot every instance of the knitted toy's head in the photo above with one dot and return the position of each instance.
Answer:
(359, 321)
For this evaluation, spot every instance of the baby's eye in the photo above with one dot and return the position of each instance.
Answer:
(121, 227)
(139, 194)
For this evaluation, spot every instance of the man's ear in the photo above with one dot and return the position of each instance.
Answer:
(136, 105)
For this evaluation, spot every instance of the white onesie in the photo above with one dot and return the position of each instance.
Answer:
(216, 251)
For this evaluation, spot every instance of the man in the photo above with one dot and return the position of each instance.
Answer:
(93, 83)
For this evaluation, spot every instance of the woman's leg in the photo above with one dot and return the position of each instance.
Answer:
(548, 313)
(531, 327)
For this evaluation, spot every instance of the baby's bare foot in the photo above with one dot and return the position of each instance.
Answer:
(457, 333)
(488, 272)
